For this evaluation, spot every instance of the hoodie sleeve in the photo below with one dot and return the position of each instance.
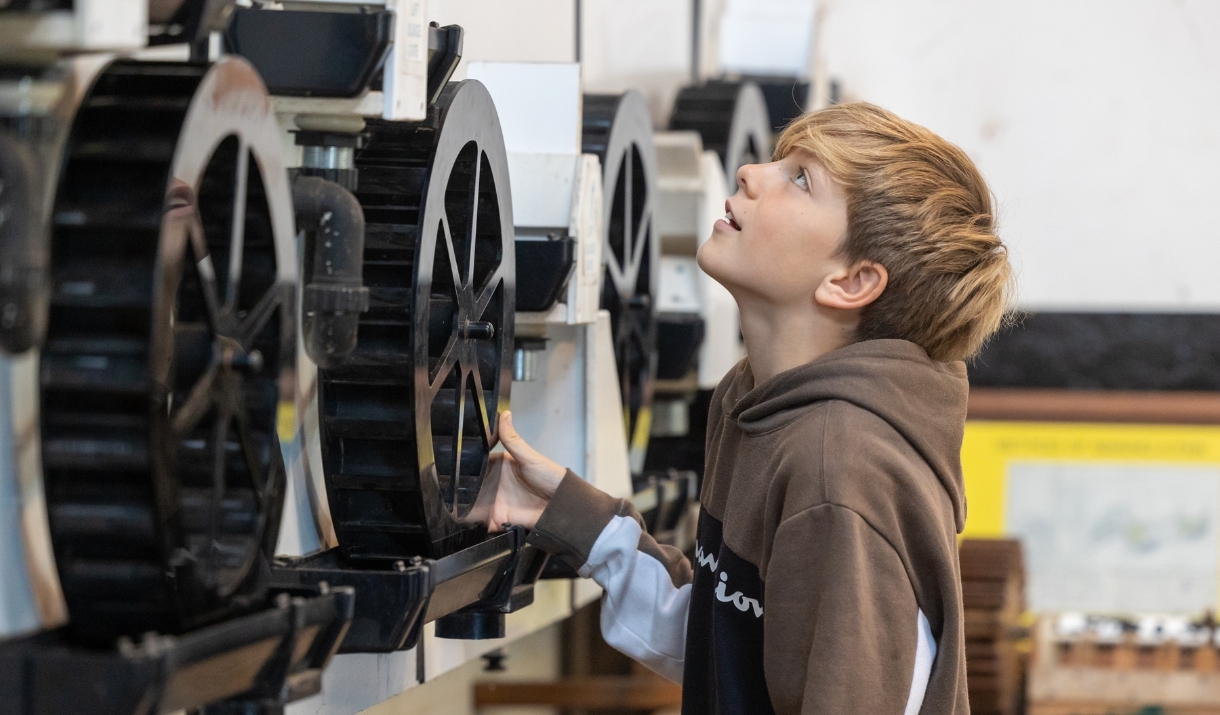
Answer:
(842, 631)
(647, 584)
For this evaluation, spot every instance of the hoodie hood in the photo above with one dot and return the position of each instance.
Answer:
(923, 400)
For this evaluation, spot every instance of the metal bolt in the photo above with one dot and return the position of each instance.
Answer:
(478, 330)
(243, 362)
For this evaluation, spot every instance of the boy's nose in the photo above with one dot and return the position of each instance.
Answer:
(747, 179)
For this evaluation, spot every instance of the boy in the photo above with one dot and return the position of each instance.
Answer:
(866, 266)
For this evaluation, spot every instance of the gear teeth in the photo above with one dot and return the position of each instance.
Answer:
(123, 494)
(379, 483)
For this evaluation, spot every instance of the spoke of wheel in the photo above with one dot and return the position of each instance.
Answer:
(622, 350)
(197, 403)
(237, 234)
(453, 269)
(641, 240)
(485, 295)
(219, 437)
(616, 272)
(257, 319)
(628, 215)
(481, 398)
(207, 273)
(474, 219)
(248, 448)
(457, 440)
(444, 366)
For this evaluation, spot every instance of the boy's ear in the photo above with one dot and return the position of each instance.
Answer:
(853, 287)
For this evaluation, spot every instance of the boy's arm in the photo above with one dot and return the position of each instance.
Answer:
(842, 631)
(647, 585)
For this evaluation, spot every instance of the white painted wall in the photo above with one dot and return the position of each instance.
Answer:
(1097, 123)
(510, 31)
(637, 44)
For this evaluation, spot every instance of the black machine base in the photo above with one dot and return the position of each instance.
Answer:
(467, 593)
(252, 664)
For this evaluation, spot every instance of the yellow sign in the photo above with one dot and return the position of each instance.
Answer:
(989, 447)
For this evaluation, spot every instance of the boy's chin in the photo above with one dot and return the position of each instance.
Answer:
(712, 267)
(706, 261)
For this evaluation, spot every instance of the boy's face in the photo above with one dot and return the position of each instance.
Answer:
(781, 232)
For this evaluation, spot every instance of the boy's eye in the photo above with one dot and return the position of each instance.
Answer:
(801, 181)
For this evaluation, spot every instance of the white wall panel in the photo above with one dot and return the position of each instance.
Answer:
(637, 44)
(510, 30)
(1096, 122)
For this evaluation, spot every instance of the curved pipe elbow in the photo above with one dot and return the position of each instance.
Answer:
(334, 294)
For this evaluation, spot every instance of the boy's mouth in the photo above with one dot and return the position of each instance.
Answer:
(728, 217)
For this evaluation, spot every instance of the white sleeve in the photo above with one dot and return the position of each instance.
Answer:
(643, 613)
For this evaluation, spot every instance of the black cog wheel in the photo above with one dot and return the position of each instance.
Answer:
(171, 348)
(618, 129)
(732, 119)
(409, 420)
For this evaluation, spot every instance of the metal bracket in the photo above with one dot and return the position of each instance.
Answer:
(262, 661)
(512, 590)
(389, 612)
(467, 592)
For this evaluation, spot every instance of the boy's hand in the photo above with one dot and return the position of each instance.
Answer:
(528, 480)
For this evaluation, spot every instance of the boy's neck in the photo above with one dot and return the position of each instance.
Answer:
(780, 338)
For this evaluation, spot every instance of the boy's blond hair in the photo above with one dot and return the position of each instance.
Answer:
(917, 205)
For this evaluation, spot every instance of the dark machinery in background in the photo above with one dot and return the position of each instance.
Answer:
(170, 347)
(787, 98)
(166, 363)
(407, 417)
(618, 129)
(732, 118)
(163, 298)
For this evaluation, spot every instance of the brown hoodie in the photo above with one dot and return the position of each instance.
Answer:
(826, 577)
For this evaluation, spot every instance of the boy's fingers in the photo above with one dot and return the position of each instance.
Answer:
(512, 441)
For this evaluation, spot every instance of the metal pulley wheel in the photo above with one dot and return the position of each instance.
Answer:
(170, 354)
(731, 117)
(618, 129)
(408, 421)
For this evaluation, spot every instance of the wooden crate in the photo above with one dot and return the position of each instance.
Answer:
(993, 598)
(1085, 677)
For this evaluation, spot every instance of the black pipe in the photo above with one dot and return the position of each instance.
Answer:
(334, 292)
(696, 41)
(23, 250)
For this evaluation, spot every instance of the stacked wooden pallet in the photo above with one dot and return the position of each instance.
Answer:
(993, 593)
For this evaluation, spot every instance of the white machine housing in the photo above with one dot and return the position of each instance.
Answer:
(90, 26)
(691, 194)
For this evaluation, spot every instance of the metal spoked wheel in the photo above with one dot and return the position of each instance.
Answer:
(170, 348)
(409, 420)
(732, 118)
(618, 129)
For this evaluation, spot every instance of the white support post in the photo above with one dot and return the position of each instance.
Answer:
(405, 89)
